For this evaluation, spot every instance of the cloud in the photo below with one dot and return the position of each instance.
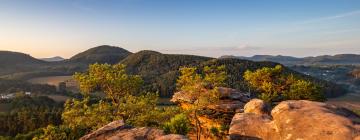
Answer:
(226, 48)
(338, 16)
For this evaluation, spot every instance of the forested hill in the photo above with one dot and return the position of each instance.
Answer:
(22, 66)
(158, 70)
(12, 62)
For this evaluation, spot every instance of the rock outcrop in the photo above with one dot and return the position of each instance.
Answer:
(294, 120)
(217, 115)
(117, 130)
(231, 100)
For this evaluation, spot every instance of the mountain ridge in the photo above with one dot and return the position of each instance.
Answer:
(159, 71)
(338, 59)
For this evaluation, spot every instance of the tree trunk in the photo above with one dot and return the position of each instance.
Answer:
(198, 127)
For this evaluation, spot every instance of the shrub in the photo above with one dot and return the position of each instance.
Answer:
(179, 124)
(214, 131)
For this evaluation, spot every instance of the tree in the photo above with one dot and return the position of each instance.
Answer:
(110, 79)
(201, 88)
(273, 84)
(52, 133)
(123, 100)
(79, 114)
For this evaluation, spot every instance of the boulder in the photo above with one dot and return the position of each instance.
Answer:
(172, 137)
(117, 130)
(231, 100)
(257, 106)
(295, 120)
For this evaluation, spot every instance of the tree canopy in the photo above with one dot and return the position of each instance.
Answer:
(272, 84)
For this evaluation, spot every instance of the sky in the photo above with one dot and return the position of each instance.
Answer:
(46, 28)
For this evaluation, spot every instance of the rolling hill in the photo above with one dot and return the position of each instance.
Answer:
(22, 66)
(158, 70)
(101, 54)
(13, 62)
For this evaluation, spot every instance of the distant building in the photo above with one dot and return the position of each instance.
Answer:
(8, 96)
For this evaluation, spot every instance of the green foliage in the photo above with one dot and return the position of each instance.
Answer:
(224, 127)
(110, 79)
(214, 131)
(125, 101)
(80, 114)
(52, 133)
(138, 110)
(30, 135)
(28, 114)
(61, 132)
(201, 89)
(274, 85)
(179, 124)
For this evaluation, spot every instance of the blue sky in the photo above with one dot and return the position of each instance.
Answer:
(45, 28)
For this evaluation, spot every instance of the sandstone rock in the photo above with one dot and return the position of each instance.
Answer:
(231, 100)
(296, 120)
(218, 114)
(118, 131)
(257, 106)
(172, 137)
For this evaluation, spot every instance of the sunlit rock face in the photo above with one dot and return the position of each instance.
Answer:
(218, 114)
(294, 120)
(117, 130)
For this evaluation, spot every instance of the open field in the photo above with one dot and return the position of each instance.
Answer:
(50, 80)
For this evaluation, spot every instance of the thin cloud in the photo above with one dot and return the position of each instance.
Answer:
(230, 48)
(343, 15)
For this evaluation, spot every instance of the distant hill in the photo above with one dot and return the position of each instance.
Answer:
(23, 66)
(335, 59)
(53, 59)
(101, 54)
(16, 58)
(158, 70)
(340, 59)
(12, 62)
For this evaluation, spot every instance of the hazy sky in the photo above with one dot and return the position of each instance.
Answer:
(45, 28)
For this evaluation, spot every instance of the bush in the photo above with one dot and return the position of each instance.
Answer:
(214, 131)
(179, 124)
